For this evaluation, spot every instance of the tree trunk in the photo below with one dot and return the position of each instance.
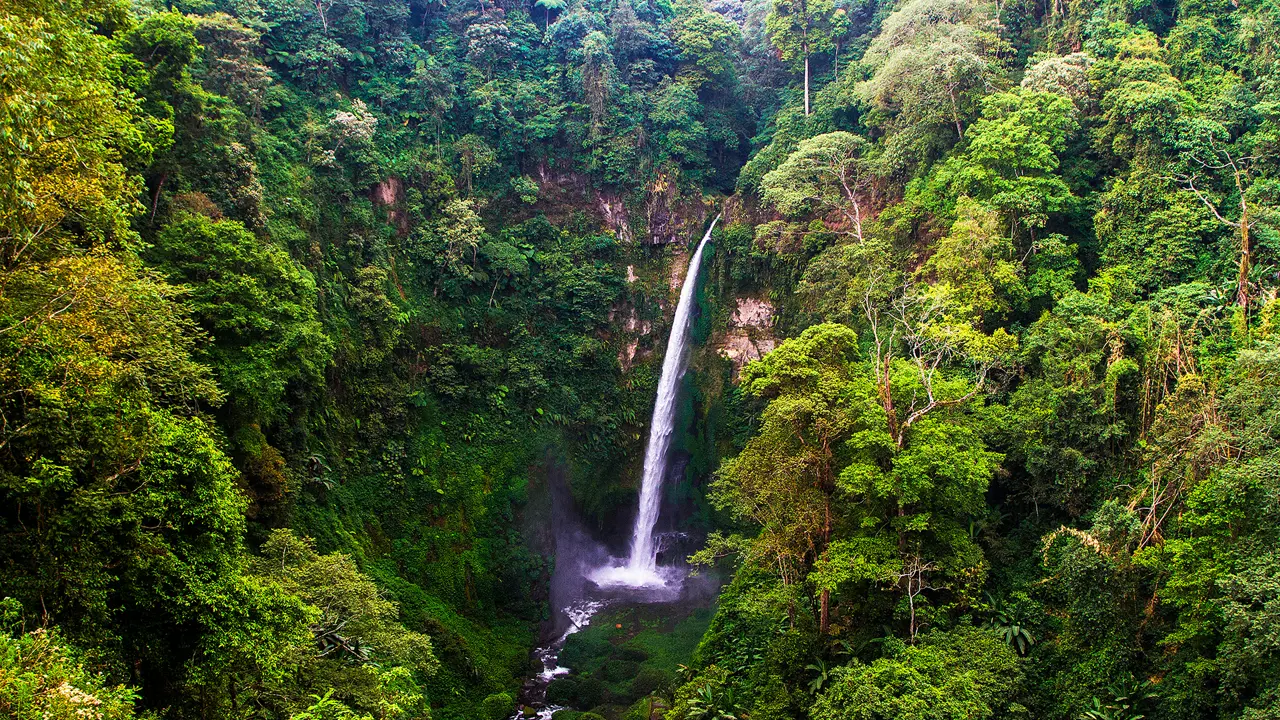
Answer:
(886, 401)
(955, 111)
(902, 534)
(911, 601)
(824, 616)
(1242, 282)
(155, 201)
(806, 84)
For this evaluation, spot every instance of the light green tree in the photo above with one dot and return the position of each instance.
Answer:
(40, 679)
(1011, 160)
(784, 480)
(827, 173)
(962, 673)
(708, 45)
(931, 62)
(846, 443)
(358, 646)
(258, 306)
(800, 28)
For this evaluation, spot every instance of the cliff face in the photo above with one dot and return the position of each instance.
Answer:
(750, 333)
(661, 214)
(659, 246)
(633, 330)
(670, 216)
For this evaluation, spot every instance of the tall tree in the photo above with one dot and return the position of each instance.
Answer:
(800, 28)
(785, 478)
(547, 6)
(932, 62)
(863, 471)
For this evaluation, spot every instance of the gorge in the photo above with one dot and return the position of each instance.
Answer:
(639, 360)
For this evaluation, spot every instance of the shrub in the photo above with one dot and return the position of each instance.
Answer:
(649, 681)
(498, 706)
(584, 649)
(964, 672)
(619, 670)
(575, 715)
(563, 691)
(591, 692)
(635, 654)
(40, 680)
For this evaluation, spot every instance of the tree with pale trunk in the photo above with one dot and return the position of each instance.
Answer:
(931, 64)
(547, 6)
(800, 28)
(866, 465)
(828, 173)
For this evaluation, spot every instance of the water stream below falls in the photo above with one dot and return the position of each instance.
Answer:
(533, 694)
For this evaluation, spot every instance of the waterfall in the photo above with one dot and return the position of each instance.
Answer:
(643, 553)
(641, 567)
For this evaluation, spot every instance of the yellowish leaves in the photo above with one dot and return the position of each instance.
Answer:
(82, 320)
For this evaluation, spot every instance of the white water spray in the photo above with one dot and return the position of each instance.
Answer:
(642, 566)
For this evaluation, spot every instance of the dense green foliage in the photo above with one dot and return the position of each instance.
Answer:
(1024, 468)
(298, 299)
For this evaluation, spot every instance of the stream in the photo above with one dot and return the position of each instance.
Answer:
(533, 694)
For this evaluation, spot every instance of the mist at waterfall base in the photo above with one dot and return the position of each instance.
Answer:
(641, 571)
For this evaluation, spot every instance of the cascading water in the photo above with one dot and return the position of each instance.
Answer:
(640, 575)
(641, 568)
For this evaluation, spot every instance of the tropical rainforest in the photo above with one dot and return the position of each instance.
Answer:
(307, 306)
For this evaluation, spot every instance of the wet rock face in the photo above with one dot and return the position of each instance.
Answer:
(671, 218)
(666, 215)
(750, 334)
(679, 268)
(752, 313)
(390, 194)
(614, 213)
(627, 319)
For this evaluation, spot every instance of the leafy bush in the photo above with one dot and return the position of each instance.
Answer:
(563, 691)
(633, 653)
(40, 680)
(619, 670)
(962, 673)
(591, 692)
(576, 715)
(498, 706)
(649, 681)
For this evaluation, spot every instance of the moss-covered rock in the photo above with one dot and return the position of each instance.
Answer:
(563, 691)
(591, 692)
(576, 715)
(616, 671)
